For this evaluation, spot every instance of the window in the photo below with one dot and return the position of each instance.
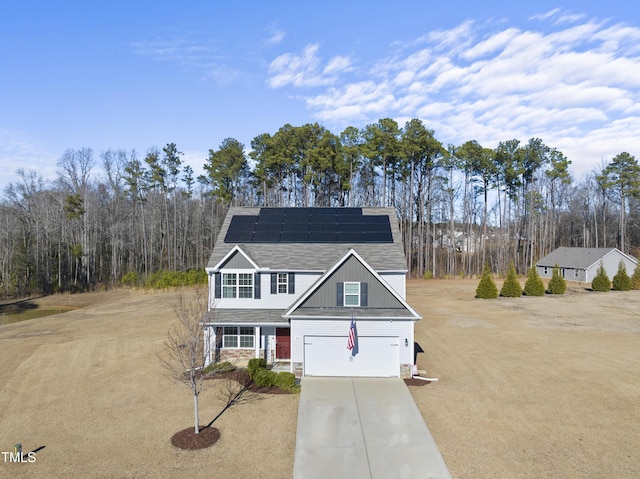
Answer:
(237, 337)
(229, 281)
(237, 285)
(352, 294)
(546, 271)
(283, 281)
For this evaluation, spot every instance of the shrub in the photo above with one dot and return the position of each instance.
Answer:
(557, 284)
(601, 282)
(130, 279)
(534, 285)
(222, 367)
(621, 281)
(256, 364)
(265, 377)
(487, 288)
(285, 380)
(511, 286)
(635, 278)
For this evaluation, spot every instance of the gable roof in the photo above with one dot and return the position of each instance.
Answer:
(578, 258)
(235, 250)
(311, 256)
(403, 312)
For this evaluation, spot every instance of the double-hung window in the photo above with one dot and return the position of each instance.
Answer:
(283, 282)
(237, 337)
(352, 294)
(237, 285)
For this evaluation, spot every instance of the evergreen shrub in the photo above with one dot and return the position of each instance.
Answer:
(511, 287)
(557, 284)
(621, 281)
(255, 364)
(635, 277)
(487, 288)
(534, 285)
(601, 282)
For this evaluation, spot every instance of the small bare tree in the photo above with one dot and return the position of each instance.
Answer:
(183, 352)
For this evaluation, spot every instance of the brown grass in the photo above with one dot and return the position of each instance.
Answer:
(528, 388)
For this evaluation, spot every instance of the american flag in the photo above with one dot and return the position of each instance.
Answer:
(352, 335)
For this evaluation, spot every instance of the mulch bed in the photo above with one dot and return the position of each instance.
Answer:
(416, 382)
(188, 440)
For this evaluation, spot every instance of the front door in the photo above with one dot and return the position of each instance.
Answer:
(283, 343)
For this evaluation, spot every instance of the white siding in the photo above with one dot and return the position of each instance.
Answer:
(397, 281)
(401, 329)
(267, 300)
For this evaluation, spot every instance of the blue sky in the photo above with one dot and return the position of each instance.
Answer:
(134, 75)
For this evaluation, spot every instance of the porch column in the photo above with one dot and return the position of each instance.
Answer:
(256, 340)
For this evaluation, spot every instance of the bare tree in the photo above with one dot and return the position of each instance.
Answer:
(183, 353)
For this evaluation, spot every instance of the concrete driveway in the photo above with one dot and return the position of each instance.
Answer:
(363, 428)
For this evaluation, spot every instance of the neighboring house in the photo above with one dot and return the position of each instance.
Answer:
(286, 283)
(581, 264)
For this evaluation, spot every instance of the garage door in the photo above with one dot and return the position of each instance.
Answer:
(378, 356)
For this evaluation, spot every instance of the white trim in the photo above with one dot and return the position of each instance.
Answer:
(289, 313)
(345, 294)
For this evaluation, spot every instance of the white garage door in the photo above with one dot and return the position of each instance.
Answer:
(378, 356)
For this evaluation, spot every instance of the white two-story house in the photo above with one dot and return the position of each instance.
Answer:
(288, 284)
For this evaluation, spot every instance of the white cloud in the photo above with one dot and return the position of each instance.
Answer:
(19, 150)
(568, 81)
(306, 70)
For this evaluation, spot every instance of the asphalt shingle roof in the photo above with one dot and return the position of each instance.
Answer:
(576, 258)
(314, 256)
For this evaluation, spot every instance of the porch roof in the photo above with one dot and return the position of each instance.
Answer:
(245, 317)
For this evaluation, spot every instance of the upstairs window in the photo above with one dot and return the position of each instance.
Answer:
(237, 285)
(352, 294)
(283, 282)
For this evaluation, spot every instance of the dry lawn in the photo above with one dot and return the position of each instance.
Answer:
(88, 386)
(529, 388)
(544, 387)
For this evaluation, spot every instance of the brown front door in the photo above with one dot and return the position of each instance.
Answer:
(283, 343)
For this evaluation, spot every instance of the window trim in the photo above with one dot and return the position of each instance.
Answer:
(239, 282)
(351, 294)
(238, 336)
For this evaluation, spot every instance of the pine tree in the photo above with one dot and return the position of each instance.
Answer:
(534, 285)
(487, 288)
(621, 281)
(601, 282)
(635, 278)
(511, 286)
(557, 284)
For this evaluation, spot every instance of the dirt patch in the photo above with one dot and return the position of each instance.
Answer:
(188, 440)
(416, 382)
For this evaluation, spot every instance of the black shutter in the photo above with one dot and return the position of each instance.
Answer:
(256, 285)
(274, 283)
(340, 294)
(364, 294)
(292, 283)
(218, 285)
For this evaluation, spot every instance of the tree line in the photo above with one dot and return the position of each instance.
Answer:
(460, 207)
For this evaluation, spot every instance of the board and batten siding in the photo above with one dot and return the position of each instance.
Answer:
(352, 271)
(309, 327)
(237, 261)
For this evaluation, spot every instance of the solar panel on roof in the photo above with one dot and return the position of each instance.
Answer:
(305, 225)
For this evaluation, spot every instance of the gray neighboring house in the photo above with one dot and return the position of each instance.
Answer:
(285, 284)
(581, 264)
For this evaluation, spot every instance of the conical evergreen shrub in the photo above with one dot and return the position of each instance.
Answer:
(487, 288)
(534, 285)
(621, 281)
(557, 284)
(511, 286)
(601, 282)
(635, 277)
